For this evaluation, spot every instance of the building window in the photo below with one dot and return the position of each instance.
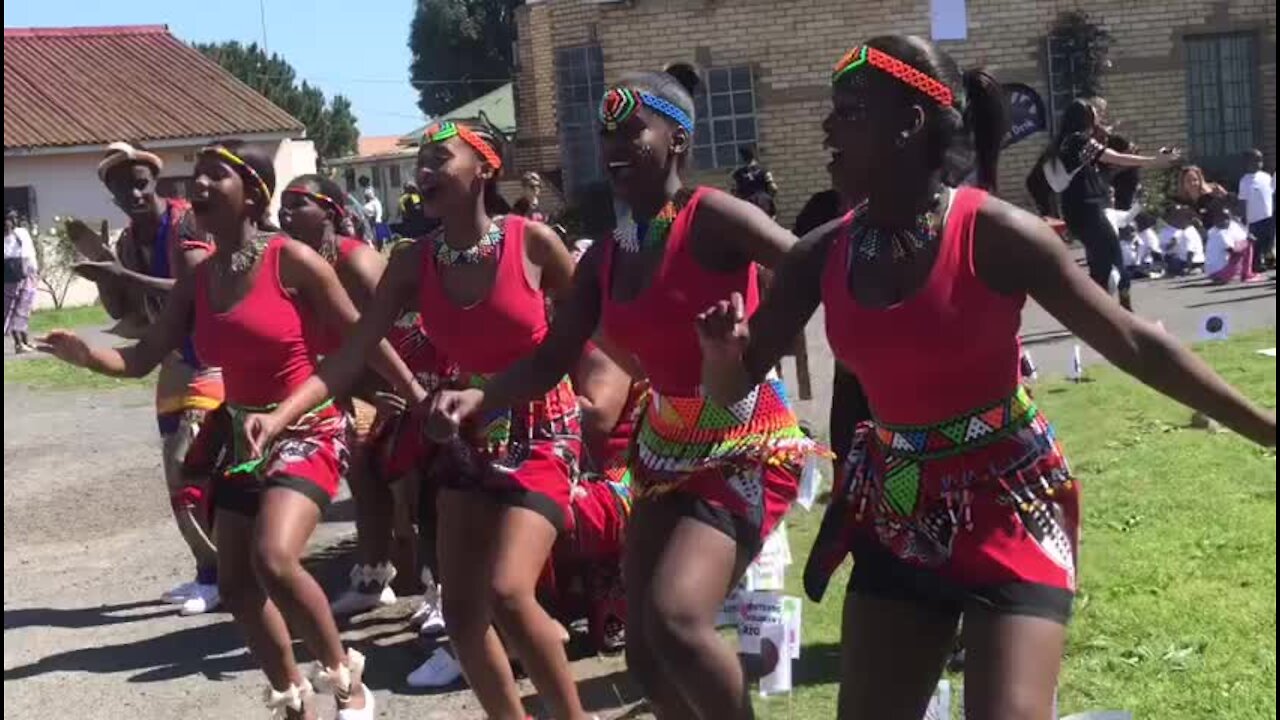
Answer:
(395, 176)
(349, 179)
(579, 86)
(22, 200)
(726, 110)
(1069, 64)
(1222, 99)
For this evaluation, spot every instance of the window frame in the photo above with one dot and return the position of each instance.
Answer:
(707, 140)
(579, 74)
(1215, 120)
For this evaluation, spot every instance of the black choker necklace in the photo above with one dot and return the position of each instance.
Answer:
(906, 242)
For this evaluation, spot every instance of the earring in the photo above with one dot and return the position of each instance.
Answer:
(902, 139)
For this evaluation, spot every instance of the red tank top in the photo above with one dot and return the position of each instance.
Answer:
(321, 338)
(657, 326)
(259, 342)
(492, 334)
(950, 348)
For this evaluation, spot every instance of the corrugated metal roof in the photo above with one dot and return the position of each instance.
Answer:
(91, 86)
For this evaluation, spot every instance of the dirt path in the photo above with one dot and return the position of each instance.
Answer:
(89, 547)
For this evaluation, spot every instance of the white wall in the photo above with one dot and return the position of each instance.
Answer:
(67, 184)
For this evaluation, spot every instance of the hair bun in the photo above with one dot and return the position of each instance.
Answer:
(685, 74)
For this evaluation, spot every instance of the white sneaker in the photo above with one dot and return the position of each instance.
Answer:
(428, 619)
(203, 599)
(178, 594)
(440, 670)
(353, 601)
(368, 712)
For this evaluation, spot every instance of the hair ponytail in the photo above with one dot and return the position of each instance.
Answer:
(986, 120)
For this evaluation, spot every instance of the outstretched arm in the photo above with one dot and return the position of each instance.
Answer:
(1016, 252)
(736, 355)
(302, 268)
(162, 337)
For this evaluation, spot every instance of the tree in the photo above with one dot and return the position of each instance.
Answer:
(461, 49)
(330, 125)
(55, 254)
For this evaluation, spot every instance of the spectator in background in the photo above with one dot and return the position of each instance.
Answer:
(1181, 241)
(753, 183)
(372, 211)
(1257, 193)
(20, 275)
(1198, 194)
(530, 193)
(1083, 155)
(1228, 253)
(1149, 255)
(413, 221)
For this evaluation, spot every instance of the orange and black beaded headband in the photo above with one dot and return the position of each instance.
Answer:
(319, 198)
(864, 56)
(245, 169)
(440, 132)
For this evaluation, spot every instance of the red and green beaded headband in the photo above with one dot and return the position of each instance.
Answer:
(319, 198)
(245, 169)
(440, 132)
(862, 56)
(621, 103)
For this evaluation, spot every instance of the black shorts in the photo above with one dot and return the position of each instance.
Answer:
(878, 573)
(740, 530)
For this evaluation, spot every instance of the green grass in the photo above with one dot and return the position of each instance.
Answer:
(43, 321)
(55, 375)
(1176, 615)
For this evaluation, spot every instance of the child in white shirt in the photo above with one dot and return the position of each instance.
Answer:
(1257, 193)
(1229, 253)
(1181, 242)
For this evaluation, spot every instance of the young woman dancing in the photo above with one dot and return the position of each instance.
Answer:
(313, 211)
(245, 306)
(709, 482)
(956, 498)
(160, 246)
(481, 284)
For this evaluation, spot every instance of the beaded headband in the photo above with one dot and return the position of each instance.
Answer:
(440, 132)
(862, 56)
(319, 198)
(241, 166)
(620, 103)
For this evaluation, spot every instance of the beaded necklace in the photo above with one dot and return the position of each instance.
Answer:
(488, 247)
(632, 237)
(906, 242)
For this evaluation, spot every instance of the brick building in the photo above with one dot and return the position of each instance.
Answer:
(1193, 73)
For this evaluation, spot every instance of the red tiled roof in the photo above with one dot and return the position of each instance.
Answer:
(377, 145)
(96, 85)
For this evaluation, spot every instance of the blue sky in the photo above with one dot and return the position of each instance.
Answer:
(356, 48)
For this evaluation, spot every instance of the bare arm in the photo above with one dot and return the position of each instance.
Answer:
(1017, 252)
(731, 368)
(546, 252)
(1119, 159)
(162, 337)
(753, 234)
(302, 268)
(360, 275)
(602, 388)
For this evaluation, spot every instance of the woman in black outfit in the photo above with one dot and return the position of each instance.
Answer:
(1081, 148)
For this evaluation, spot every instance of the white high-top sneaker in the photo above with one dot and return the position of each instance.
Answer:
(353, 600)
(439, 670)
